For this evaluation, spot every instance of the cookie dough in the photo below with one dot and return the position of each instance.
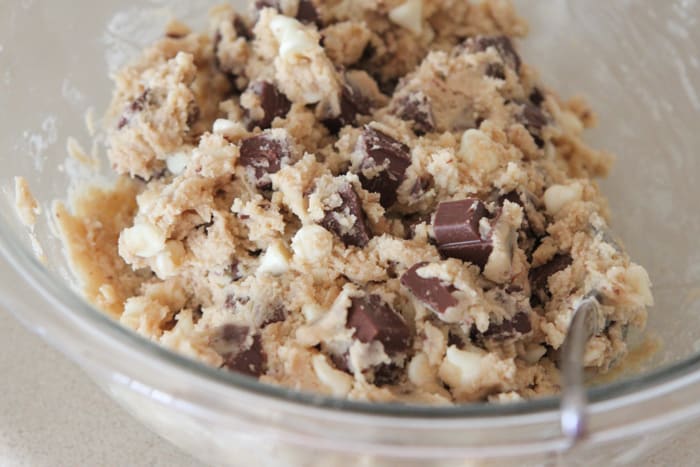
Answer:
(369, 200)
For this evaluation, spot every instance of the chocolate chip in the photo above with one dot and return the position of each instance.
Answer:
(193, 114)
(233, 271)
(374, 320)
(352, 103)
(233, 300)
(357, 235)
(416, 107)
(519, 324)
(532, 117)
(250, 361)
(411, 222)
(273, 103)
(230, 342)
(495, 70)
(455, 339)
(502, 44)
(387, 374)
(137, 105)
(307, 13)
(540, 275)
(456, 228)
(393, 157)
(536, 97)
(275, 314)
(260, 4)
(431, 291)
(340, 361)
(513, 197)
(264, 154)
(242, 29)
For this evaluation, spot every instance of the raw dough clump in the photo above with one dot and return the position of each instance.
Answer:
(369, 200)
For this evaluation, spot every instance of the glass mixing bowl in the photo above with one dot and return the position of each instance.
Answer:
(637, 62)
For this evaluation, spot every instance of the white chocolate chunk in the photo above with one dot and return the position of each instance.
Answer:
(558, 196)
(169, 260)
(276, 259)
(142, 240)
(419, 371)
(339, 382)
(312, 243)
(409, 15)
(223, 126)
(177, 163)
(295, 42)
(460, 368)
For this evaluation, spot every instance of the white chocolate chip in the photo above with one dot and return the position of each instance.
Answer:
(558, 196)
(419, 372)
(311, 312)
(177, 162)
(169, 260)
(142, 240)
(294, 40)
(224, 126)
(460, 368)
(533, 353)
(276, 259)
(409, 15)
(312, 243)
(339, 382)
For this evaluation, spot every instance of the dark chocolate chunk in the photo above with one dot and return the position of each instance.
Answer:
(352, 103)
(374, 320)
(410, 223)
(231, 342)
(250, 361)
(273, 103)
(502, 44)
(381, 150)
(495, 70)
(416, 107)
(431, 291)
(307, 13)
(137, 105)
(458, 221)
(476, 252)
(541, 274)
(340, 361)
(519, 324)
(456, 227)
(264, 154)
(387, 374)
(359, 234)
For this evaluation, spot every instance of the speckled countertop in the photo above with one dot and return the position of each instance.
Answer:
(51, 415)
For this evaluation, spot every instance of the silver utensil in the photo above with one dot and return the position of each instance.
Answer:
(574, 402)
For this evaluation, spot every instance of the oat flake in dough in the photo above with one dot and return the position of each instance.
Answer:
(369, 200)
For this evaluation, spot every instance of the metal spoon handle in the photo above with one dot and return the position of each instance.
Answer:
(574, 402)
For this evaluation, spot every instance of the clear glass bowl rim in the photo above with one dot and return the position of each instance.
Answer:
(45, 282)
